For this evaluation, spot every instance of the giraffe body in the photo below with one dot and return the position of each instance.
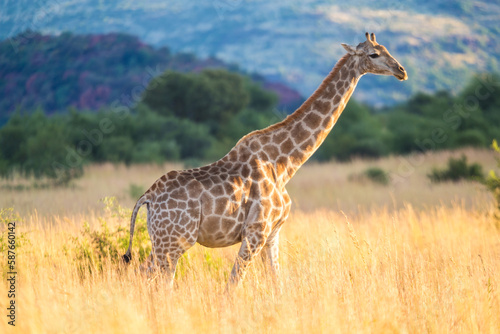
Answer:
(242, 197)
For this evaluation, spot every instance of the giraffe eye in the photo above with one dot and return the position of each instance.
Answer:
(374, 55)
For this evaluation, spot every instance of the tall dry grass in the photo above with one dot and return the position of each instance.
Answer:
(379, 271)
(314, 186)
(406, 258)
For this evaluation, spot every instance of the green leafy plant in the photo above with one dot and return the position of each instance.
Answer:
(9, 222)
(106, 244)
(457, 169)
(135, 191)
(493, 181)
(377, 175)
(372, 174)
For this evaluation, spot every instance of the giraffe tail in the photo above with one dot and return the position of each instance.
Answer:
(140, 202)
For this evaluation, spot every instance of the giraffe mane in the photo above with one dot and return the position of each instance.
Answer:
(304, 106)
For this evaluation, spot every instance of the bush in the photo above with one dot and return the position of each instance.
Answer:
(457, 170)
(493, 181)
(94, 248)
(35, 145)
(135, 191)
(372, 174)
(377, 175)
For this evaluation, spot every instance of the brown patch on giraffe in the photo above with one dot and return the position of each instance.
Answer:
(314, 120)
(256, 175)
(235, 234)
(180, 229)
(266, 188)
(300, 134)
(172, 174)
(244, 154)
(153, 187)
(245, 171)
(297, 156)
(229, 189)
(264, 139)
(320, 135)
(208, 205)
(181, 195)
(320, 106)
(217, 190)
(336, 99)
(271, 150)
(344, 73)
(263, 156)
(175, 232)
(280, 137)
(163, 178)
(340, 87)
(287, 146)
(327, 123)
(329, 91)
(220, 205)
(233, 155)
(194, 189)
(255, 145)
(164, 215)
(281, 164)
(308, 145)
(227, 223)
(276, 213)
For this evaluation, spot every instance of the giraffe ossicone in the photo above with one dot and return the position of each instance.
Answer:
(242, 197)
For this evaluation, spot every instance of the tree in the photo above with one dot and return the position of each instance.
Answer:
(211, 97)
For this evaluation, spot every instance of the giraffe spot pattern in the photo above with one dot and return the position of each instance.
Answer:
(242, 197)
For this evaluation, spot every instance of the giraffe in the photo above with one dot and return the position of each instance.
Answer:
(241, 198)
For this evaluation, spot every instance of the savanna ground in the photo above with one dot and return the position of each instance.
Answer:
(356, 256)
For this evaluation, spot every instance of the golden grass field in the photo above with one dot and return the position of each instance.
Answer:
(356, 257)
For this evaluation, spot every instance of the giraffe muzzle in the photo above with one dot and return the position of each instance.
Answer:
(401, 74)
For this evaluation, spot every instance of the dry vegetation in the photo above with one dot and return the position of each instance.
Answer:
(410, 257)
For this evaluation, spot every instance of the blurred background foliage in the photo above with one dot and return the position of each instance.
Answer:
(70, 100)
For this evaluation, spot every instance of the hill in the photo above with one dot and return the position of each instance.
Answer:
(93, 71)
(296, 41)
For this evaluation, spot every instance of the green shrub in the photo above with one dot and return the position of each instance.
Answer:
(372, 174)
(457, 170)
(9, 222)
(472, 137)
(135, 191)
(377, 175)
(493, 181)
(103, 245)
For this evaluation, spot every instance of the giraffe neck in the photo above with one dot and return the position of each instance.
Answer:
(287, 145)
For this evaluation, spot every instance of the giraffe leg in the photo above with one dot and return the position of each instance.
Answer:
(147, 265)
(246, 254)
(270, 256)
(165, 257)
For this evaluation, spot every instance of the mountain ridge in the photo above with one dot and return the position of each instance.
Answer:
(295, 42)
(90, 72)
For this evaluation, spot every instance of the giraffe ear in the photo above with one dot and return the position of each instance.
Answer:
(350, 49)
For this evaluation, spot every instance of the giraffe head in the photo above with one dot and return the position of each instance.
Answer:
(374, 58)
